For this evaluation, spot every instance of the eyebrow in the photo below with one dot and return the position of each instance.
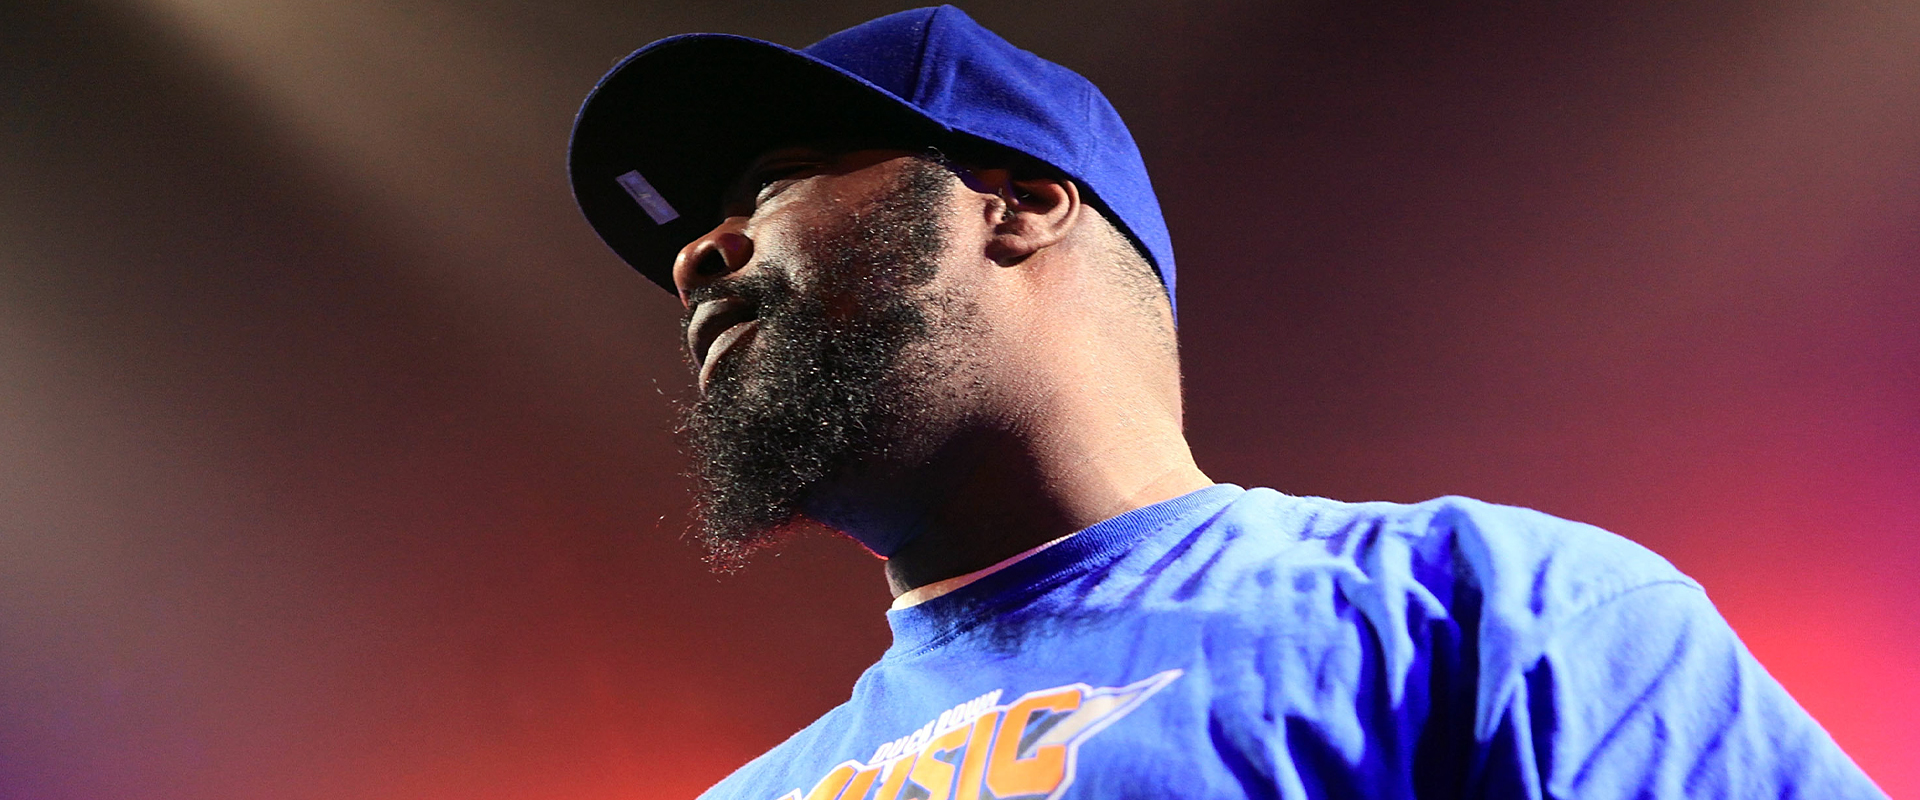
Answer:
(737, 191)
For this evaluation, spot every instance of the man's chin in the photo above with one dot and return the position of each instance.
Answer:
(729, 548)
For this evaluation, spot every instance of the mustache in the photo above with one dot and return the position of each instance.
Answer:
(767, 291)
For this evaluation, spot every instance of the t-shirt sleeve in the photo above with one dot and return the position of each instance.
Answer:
(1651, 695)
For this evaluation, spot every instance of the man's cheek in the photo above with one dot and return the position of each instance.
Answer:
(842, 308)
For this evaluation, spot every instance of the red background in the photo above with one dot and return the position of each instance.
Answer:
(334, 451)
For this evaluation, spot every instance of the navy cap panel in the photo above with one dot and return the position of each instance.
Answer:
(887, 51)
(992, 89)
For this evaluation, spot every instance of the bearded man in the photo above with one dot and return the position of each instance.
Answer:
(930, 303)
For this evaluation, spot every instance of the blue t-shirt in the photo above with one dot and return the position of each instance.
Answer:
(1237, 643)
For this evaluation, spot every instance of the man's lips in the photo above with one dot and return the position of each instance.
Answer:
(717, 325)
(727, 340)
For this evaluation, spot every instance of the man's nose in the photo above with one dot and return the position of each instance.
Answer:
(711, 257)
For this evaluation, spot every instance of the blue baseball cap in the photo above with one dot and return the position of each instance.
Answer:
(662, 135)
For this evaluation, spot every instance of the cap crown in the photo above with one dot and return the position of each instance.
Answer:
(968, 79)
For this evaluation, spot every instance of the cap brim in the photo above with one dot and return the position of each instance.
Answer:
(689, 112)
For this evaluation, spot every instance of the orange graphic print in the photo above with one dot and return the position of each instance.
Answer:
(981, 750)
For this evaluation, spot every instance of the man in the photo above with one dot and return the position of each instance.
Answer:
(931, 304)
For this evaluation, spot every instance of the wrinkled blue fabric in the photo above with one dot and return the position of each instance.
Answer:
(1239, 643)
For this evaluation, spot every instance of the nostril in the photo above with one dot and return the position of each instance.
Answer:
(711, 263)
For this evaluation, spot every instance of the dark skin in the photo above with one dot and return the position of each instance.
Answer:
(1063, 407)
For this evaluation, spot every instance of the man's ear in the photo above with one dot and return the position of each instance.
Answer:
(1031, 214)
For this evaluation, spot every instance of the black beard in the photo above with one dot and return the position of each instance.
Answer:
(823, 384)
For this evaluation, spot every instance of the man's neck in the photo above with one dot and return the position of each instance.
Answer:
(1010, 500)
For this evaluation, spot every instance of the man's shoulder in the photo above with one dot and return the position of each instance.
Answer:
(1517, 560)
